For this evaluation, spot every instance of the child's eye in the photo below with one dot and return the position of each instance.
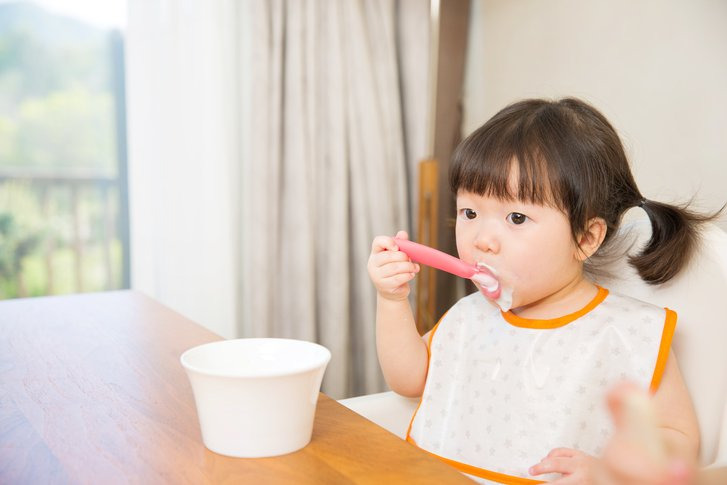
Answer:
(468, 213)
(516, 218)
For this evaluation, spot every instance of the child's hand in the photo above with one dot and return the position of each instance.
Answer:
(630, 458)
(390, 269)
(577, 467)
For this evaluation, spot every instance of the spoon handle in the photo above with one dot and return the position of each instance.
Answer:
(435, 258)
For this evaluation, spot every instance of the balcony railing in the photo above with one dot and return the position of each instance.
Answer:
(71, 231)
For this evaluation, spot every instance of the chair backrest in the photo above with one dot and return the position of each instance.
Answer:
(699, 296)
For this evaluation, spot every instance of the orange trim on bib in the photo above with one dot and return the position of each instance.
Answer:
(431, 335)
(517, 321)
(479, 472)
(429, 357)
(670, 323)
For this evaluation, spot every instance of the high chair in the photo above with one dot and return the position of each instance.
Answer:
(698, 295)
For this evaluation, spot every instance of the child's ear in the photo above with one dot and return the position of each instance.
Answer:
(590, 239)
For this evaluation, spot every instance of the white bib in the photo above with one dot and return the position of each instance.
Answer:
(502, 391)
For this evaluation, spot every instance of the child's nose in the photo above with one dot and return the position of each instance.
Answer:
(487, 242)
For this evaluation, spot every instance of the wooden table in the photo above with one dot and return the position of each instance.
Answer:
(92, 391)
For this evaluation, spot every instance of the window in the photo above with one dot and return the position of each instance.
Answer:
(63, 203)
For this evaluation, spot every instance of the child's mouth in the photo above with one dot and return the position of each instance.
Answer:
(490, 286)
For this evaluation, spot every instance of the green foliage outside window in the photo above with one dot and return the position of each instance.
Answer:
(58, 155)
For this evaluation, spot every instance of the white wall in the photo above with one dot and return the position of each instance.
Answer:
(656, 68)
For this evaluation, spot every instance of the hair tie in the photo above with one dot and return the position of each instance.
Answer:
(642, 203)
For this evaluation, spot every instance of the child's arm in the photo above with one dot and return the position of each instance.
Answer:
(402, 352)
(675, 414)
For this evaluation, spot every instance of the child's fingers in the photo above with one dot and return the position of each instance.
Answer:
(564, 465)
(395, 282)
(383, 243)
(387, 243)
(679, 473)
(573, 479)
(377, 261)
(388, 257)
(392, 269)
(562, 452)
(616, 399)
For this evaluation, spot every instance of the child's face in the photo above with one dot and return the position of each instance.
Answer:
(529, 246)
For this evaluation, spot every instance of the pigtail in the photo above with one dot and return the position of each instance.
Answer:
(675, 234)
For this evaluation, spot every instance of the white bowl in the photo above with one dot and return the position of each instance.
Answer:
(256, 397)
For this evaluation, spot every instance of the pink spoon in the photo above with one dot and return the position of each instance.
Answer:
(437, 259)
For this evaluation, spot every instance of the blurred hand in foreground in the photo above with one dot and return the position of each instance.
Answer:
(636, 454)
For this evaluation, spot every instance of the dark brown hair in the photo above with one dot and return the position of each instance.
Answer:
(569, 156)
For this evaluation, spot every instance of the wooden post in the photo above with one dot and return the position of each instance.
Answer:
(435, 225)
(107, 198)
(77, 238)
(427, 228)
(49, 241)
(452, 45)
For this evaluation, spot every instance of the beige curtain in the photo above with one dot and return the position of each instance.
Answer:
(183, 138)
(323, 171)
(269, 141)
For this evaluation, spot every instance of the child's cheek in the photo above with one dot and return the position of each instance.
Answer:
(523, 278)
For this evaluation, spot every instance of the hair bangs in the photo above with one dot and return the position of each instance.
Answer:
(508, 162)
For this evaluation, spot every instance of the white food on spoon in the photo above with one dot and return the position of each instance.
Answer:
(488, 280)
